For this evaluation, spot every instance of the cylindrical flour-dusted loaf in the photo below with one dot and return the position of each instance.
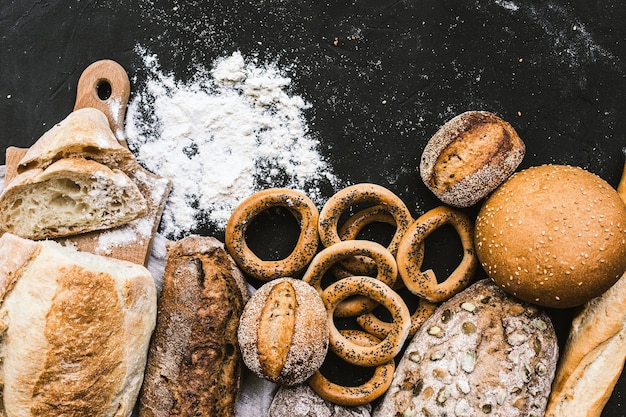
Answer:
(482, 352)
(194, 364)
(75, 330)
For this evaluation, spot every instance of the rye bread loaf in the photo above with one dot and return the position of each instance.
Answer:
(482, 352)
(194, 364)
(74, 330)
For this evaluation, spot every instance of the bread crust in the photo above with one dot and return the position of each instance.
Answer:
(482, 352)
(194, 365)
(301, 401)
(593, 357)
(84, 133)
(469, 156)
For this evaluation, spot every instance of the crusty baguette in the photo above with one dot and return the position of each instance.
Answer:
(194, 365)
(593, 357)
(75, 331)
(71, 196)
(84, 133)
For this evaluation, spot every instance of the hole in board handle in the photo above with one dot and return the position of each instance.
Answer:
(104, 90)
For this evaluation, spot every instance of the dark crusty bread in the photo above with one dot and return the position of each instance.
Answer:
(194, 362)
(482, 352)
(301, 401)
(469, 156)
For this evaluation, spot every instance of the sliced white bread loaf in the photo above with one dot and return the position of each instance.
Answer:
(84, 133)
(71, 196)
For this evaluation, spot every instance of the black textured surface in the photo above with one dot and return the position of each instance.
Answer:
(381, 76)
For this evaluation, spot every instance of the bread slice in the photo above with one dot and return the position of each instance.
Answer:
(194, 365)
(69, 197)
(75, 330)
(593, 357)
(84, 133)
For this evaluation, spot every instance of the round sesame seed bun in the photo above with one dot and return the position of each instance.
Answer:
(553, 235)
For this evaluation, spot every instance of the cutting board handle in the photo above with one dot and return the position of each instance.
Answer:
(105, 86)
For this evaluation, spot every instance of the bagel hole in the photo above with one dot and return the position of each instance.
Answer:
(376, 231)
(443, 252)
(341, 372)
(273, 234)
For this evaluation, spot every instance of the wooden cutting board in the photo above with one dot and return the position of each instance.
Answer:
(105, 86)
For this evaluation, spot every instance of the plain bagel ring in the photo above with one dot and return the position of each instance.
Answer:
(411, 253)
(379, 328)
(391, 345)
(387, 271)
(363, 193)
(300, 206)
(365, 393)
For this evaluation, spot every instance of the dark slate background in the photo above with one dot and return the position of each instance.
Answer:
(381, 76)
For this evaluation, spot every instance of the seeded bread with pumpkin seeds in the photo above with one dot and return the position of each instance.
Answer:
(482, 352)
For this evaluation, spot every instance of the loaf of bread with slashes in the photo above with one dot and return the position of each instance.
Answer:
(194, 363)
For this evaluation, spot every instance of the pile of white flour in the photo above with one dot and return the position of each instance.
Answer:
(229, 132)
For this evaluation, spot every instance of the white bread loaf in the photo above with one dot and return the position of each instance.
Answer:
(84, 133)
(71, 196)
(75, 330)
(593, 357)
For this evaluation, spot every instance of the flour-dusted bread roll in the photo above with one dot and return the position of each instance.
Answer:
(301, 401)
(284, 331)
(75, 330)
(84, 133)
(593, 357)
(482, 352)
(469, 156)
(194, 366)
(71, 196)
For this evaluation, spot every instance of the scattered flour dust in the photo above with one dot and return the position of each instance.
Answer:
(229, 132)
